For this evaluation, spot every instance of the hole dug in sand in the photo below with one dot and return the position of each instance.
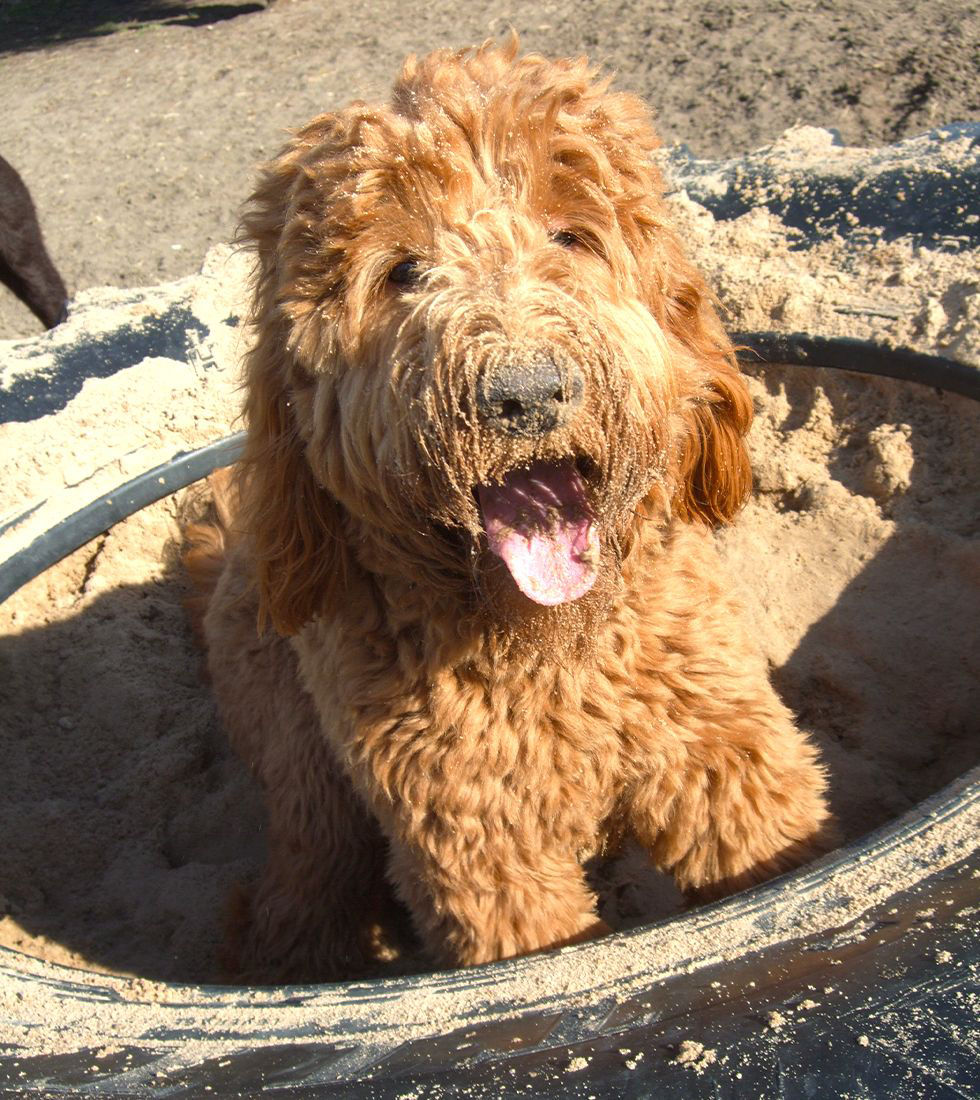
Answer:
(126, 820)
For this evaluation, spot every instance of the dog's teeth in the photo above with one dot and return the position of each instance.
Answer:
(546, 493)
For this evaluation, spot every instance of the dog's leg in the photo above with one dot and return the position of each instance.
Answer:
(476, 903)
(740, 799)
(25, 265)
(725, 790)
(309, 916)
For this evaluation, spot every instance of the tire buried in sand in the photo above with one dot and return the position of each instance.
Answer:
(851, 976)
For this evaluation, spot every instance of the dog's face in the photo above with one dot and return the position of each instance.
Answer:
(480, 349)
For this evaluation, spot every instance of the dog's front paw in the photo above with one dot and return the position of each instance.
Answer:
(270, 942)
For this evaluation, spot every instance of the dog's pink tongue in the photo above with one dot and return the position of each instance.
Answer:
(538, 521)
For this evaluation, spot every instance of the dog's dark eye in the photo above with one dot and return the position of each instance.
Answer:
(404, 274)
(566, 238)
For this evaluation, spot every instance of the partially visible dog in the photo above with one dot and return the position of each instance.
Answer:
(467, 623)
(25, 266)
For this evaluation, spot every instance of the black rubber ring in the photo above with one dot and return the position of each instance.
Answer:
(861, 356)
(87, 523)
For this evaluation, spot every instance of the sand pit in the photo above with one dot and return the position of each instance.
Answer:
(126, 819)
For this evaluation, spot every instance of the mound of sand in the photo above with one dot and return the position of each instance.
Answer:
(125, 819)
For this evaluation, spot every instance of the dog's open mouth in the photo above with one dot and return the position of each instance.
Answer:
(539, 522)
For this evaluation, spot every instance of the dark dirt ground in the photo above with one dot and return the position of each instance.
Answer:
(137, 124)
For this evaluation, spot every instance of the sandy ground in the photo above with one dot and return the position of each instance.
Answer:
(125, 818)
(139, 146)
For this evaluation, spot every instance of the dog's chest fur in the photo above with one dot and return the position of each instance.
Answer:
(443, 734)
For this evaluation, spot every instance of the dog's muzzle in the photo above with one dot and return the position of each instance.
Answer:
(529, 399)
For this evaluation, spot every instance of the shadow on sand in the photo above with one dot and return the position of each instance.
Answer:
(34, 24)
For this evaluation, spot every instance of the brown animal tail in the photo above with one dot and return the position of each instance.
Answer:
(206, 543)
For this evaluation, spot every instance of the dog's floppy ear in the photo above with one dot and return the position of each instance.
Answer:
(294, 526)
(714, 475)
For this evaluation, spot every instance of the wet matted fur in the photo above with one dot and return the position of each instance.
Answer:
(466, 620)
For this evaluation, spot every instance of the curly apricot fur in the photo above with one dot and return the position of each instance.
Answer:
(412, 716)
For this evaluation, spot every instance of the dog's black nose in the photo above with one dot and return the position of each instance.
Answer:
(529, 399)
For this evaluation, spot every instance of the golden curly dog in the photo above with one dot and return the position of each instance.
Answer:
(470, 626)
